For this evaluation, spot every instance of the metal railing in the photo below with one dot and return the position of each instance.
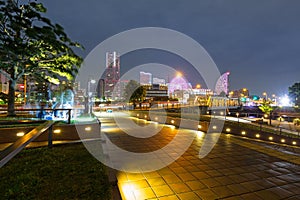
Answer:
(12, 150)
(45, 113)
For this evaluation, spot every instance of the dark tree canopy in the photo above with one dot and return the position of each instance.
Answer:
(134, 92)
(31, 44)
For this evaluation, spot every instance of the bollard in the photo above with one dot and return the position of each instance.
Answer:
(50, 133)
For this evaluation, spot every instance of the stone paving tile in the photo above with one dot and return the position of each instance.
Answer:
(234, 169)
(222, 191)
(186, 177)
(171, 178)
(156, 181)
(144, 193)
(282, 193)
(179, 187)
(206, 194)
(267, 194)
(188, 196)
(196, 185)
(238, 189)
(251, 196)
(172, 197)
(211, 182)
(163, 190)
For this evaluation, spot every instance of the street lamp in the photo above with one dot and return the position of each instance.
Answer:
(237, 115)
(266, 95)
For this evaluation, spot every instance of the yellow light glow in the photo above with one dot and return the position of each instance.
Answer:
(221, 113)
(228, 130)
(214, 127)
(145, 116)
(20, 134)
(199, 126)
(172, 121)
(294, 142)
(156, 118)
(271, 138)
(88, 128)
(179, 74)
(282, 140)
(243, 132)
(257, 135)
(198, 86)
(128, 190)
(137, 115)
(200, 134)
(57, 131)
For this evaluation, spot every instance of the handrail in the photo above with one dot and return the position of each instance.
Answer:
(21, 143)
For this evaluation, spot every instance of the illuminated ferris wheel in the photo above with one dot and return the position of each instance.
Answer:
(222, 84)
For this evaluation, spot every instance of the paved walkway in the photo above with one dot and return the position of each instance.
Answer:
(234, 169)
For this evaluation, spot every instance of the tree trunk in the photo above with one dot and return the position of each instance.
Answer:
(11, 99)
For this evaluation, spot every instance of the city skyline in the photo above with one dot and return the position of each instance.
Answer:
(249, 39)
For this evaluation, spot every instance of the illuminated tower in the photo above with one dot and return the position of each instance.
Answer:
(112, 73)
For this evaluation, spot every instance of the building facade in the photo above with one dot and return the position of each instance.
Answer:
(145, 78)
(112, 73)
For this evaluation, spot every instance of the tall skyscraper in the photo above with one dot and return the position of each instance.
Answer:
(112, 73)
(145, 78)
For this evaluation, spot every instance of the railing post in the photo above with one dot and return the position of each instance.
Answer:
(50, 133)
(69, 118)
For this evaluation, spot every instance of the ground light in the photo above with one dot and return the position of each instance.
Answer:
(20, 134)
(57, 131)
(270, 138)
(88, 128)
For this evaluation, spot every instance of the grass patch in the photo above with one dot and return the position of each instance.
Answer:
(63, 172)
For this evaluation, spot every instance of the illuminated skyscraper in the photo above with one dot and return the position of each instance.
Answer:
(159, 81)
(112, 73)
(145, 78)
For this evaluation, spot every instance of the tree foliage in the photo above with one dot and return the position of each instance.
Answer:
(294, 93)
(31, 44)
(134, 92)
(266, 108)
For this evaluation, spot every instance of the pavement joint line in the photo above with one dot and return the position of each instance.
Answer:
(275, 153)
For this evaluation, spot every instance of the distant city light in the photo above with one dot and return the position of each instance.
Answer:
(284, 101)
(179, 74)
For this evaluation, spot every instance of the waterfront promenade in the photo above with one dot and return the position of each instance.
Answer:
(236, 168)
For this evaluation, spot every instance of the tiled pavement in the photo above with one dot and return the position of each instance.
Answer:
(234, 169)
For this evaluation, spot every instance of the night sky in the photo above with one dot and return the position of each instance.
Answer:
(258, 41)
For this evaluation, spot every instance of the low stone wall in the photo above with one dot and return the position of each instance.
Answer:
(227, 129)
(60, 132)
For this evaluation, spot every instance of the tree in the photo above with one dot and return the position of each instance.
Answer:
(266, 108)
(134, 92)
(294, 93)
(31, 45)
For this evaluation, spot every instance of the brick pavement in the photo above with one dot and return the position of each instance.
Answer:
(234, 169)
